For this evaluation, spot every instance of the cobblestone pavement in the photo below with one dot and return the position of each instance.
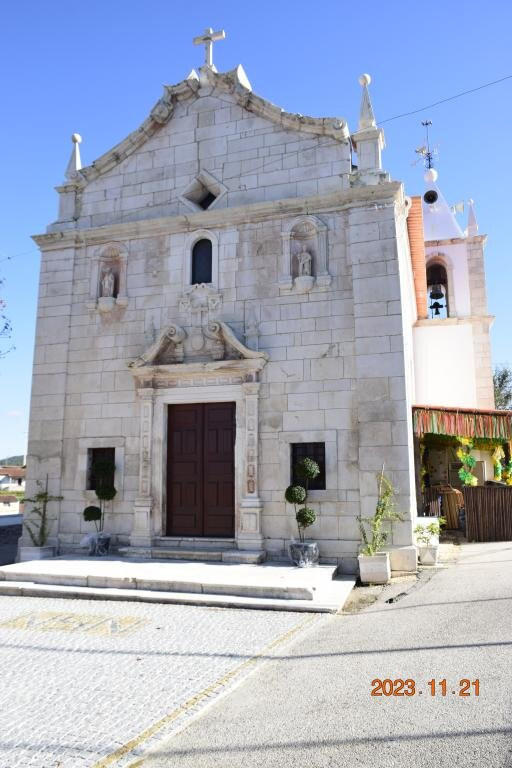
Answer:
(96, 683)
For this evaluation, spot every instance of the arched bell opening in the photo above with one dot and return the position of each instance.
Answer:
(437, 291)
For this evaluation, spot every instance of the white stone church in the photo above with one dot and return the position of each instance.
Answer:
(233, 287)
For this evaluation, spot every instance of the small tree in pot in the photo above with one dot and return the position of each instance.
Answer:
(38, 526)
(99, 542)
(374, 565)
(303, 553)
(428, 551)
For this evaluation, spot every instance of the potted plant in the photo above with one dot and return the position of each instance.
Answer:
(374, 566)
(99, 542)
(38, 525)
(303, 553)
(428, 551)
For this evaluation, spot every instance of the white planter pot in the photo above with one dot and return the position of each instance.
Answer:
(428, 554)
(374, 569)
(36, 553)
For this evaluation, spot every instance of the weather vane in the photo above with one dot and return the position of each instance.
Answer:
(426, 153)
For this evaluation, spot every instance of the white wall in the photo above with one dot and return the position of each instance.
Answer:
(444, 364)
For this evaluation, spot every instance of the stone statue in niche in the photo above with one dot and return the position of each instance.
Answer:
(108, 282)
(304, 279)
(304, 259)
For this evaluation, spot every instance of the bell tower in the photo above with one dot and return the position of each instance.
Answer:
(452, 343)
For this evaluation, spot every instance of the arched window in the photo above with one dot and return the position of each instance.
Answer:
(437, 290)
(202, 262)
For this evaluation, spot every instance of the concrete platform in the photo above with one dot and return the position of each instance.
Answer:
(270, 585)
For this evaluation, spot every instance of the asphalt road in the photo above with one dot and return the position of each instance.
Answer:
(311, 704)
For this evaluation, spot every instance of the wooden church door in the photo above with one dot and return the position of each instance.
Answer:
(201, 470)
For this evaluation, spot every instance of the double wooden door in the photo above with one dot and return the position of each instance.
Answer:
(201, 470)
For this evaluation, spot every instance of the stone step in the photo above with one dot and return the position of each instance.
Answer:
(328, 600)
(194, 542)
(197, 555)
(267, 581)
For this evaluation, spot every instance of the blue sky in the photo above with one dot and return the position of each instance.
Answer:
(97, 68)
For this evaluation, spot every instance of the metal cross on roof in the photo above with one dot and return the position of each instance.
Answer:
(208, 39)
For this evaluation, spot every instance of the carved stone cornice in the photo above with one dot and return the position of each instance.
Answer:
(220, 218)
(234, 371)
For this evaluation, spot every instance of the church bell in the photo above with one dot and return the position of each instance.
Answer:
(436, 292)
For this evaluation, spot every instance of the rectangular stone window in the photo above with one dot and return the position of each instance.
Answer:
(96, 457)
(314, 451)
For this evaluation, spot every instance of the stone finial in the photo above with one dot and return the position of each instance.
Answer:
(472, 230)
(75, 162)
(368, 141)
(366, 116)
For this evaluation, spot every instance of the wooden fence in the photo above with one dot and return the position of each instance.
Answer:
(488, 513)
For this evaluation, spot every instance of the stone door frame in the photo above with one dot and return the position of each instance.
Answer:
(150, 505)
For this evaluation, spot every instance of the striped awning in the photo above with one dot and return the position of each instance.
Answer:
(461, 422)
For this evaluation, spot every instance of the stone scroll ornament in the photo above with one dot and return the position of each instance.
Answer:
(172, 335)
(176, 345)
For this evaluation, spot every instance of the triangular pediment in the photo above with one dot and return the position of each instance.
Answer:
(209, 84)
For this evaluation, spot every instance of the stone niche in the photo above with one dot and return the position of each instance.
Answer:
(108, 278)
(304, 256)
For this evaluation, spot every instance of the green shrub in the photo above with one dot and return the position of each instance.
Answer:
(306, 469)
(424, 533)
(92, 514)
(295, 494)
(105, 491)
(305, 517)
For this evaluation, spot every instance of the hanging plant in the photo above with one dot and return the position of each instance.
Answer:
(467, 460)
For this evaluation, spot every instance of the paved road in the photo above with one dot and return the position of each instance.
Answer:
(85, 683)
(311, 705)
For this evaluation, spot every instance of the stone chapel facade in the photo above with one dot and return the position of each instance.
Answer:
(223, 291)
